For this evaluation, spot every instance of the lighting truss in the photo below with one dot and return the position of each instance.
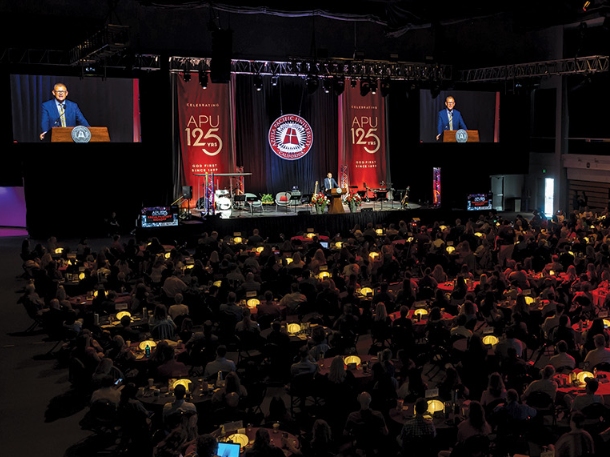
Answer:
(579, 65)
(104, 44)
(332, 67)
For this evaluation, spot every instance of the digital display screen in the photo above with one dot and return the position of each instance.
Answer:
(478, 111)
(479, 202)
(111, 103)
(160, 216)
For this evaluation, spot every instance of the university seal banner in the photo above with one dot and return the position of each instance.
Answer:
(362, 138)
(204, 125)
(290, 137)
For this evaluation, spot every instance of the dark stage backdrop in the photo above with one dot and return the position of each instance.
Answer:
(255, 111)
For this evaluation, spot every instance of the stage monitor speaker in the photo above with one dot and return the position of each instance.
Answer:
(222, 50)
(187, 192)
(366, 210)
(303, 213)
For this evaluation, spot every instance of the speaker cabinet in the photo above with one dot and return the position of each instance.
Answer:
(222, 50)
(187, 192)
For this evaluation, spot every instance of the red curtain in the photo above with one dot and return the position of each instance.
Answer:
(204, 123)
(362, 139)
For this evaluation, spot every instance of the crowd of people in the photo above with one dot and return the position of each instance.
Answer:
(192, 299)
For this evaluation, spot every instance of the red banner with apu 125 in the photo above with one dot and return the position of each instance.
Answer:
(204, 125)
(362, 131)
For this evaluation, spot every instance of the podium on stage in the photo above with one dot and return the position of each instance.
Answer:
(336, 203)
(460, 136)
(64, 135)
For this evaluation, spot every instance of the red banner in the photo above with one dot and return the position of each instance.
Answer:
(204, 118)
(362, 145)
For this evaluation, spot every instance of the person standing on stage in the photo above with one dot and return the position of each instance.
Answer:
(449, 118)
(60, 112)
(330, 183)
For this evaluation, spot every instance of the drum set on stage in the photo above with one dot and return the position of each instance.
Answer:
(385, 193)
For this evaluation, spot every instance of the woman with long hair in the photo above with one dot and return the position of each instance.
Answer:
(496, 390)
(476, 424)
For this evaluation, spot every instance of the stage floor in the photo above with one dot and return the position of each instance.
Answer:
(244, 210)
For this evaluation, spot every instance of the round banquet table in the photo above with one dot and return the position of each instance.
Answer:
(563, 381)
(250, 432)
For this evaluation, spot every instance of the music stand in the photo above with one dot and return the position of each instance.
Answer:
(381, 196)
(295, 196)
(239, 199)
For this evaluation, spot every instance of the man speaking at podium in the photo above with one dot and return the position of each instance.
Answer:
(60, 112)
(449, 118)
(330, 183)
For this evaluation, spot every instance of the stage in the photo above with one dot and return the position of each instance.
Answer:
(273, 221)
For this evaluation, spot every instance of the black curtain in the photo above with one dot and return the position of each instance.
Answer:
(255, 111)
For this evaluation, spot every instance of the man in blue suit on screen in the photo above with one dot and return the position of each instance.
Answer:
(60, 112)
(449, 118)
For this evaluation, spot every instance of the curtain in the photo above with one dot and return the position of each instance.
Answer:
(255, 111)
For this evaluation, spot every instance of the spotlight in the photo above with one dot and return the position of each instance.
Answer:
(327, 85)
(203, 79)
(258, 83)
(338, 84)
(274, 80)
(312, 83)
(353, 82)
(365, 86)
(435, 89)
(373, 84)
(385, 87)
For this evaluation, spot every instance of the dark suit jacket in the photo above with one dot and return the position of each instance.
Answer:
(443, 121)
(51, 118)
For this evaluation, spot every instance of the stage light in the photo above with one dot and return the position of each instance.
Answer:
(203, 79)
(326, 85)
(353, 82)
(338, 84)
(385, 87)
(274, 80)
(258, 83)
(312, 83)
(365, 87)
(187, 71)
(373, 85)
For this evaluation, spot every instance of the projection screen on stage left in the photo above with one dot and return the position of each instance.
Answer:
(105, 102)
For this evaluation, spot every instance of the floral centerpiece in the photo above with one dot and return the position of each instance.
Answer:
(320, 201)
(353, 201)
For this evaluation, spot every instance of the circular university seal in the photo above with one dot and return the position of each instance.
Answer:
(81, 134)
(290, 137)
(461, 136)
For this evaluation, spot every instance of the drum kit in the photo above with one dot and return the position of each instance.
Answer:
(385, 193)
(222, 200)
